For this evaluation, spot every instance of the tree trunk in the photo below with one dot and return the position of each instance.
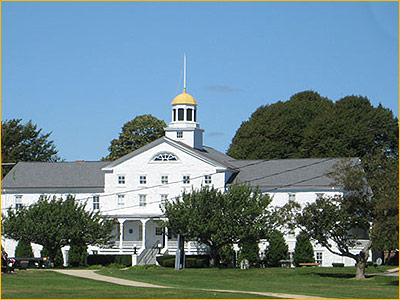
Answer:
(361, 260)
(360, 272)
(214, 258)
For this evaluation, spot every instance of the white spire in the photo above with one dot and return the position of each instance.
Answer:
(184, 73)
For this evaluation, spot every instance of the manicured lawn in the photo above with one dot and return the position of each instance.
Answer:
(43, 284)
(323, 282)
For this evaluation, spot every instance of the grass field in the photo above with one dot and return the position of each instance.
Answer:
(323, 282)
(43, 284)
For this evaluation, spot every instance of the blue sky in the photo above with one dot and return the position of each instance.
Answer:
(83, 69)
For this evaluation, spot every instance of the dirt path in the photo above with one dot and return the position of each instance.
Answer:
(91, 274)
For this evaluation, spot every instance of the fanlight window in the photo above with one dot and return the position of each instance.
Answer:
(165, 157)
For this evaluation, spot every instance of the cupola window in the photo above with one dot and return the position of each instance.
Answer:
(181, 113)
(174, 114)
(189, 113)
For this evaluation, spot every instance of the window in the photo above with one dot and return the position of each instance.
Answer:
(179, 134)
(142, 200)
(159, 230)
(121, 179)
(96, 202)
(180, 114)
(121, 200)
(18, 201)
(319, 195)
(194, 119)
(318, 257)
(165, 156)
(189, 113)
(186, 179)
(142, 179)
(207, 179)
(174, 114)
(164, 198)
(164, 179)
(292, 197)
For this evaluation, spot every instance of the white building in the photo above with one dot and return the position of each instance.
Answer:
(133, 188)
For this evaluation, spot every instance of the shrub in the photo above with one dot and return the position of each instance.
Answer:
(24, 249)
(304, 251)
(125, 260)
(277, 249)
(77, 255)
(161, 259)
(169, 263)
(115, 266)
(249, 250)
(338, 265)
(191, 261)
(95, 267)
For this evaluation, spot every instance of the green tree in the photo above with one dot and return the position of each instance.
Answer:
(77, 255)
(277, 130)
(135, 134)
(337, 223)
(25, 142)
(303, 251)
(217, 219)
(309, 125)
(383, 176)
(277, 249)
(55, 223)
(23, 249)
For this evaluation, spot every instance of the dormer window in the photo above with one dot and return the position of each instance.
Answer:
(165, 156)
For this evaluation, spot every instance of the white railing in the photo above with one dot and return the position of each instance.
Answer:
(129, 244)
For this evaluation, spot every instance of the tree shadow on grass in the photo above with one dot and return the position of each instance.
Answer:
(338, 275)
(394, 282)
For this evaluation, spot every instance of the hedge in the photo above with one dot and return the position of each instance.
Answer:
(191, 261)
(104, 260)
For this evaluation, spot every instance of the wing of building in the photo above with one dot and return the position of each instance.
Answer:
(133, 188)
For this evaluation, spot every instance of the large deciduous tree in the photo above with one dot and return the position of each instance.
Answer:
(309, 125)
(54, 223)
(338, 223)
(216, 219)
(135, 134)
(25, 142)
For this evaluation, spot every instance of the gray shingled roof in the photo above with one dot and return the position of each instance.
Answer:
(55, 175)
(271, 175)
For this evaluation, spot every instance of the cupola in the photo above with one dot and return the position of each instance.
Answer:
(183, 126)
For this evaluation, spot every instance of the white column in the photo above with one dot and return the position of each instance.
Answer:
(166, 238)
(121, 231)
(144, 221)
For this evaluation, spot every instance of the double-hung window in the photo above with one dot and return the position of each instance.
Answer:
(318, 257)
(18, 201)
(96, 202)
(121, 200)
(142, 200)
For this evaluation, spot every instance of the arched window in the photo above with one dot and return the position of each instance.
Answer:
(181, 113)
(189, 114)
(165, 156)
